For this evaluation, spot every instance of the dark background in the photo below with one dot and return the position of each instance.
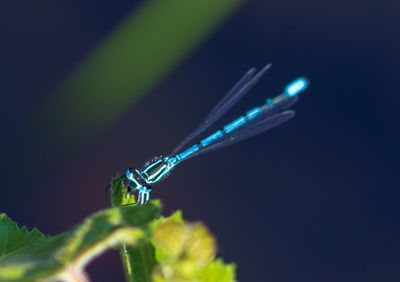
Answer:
(313, 200)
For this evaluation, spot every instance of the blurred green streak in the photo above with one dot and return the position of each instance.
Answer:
(145, 47)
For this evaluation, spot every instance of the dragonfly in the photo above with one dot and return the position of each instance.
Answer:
(255, 121)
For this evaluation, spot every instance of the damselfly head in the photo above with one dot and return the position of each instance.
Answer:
(135, 178)
(129, 173)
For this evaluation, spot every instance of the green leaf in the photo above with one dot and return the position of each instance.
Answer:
(218, 271)
(153, 248)
(65, 256)
(102, 224)
(185, 252)
(12, 237)
(178, 251)
(119, 195)
(139, 259)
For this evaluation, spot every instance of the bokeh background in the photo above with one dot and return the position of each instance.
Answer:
(313, 200)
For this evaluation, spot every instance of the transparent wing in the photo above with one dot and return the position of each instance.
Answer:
(283, 104)
(247, 131)
(241, 88)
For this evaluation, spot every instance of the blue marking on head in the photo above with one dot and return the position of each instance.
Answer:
(296, 86)
(253, 113)
(135, 180)
(235, 124)
(128, 174)
(270, 102)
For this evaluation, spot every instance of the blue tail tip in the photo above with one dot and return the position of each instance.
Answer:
(296, 86)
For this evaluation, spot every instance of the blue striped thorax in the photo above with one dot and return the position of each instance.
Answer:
(152, 173)
(158, 168)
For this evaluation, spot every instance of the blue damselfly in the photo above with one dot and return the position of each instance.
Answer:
(255, 121)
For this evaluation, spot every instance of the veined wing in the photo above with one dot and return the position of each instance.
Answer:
(241, 88)
(271, 110)
(247, 131)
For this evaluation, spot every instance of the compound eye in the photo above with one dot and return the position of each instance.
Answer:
(129, 173)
